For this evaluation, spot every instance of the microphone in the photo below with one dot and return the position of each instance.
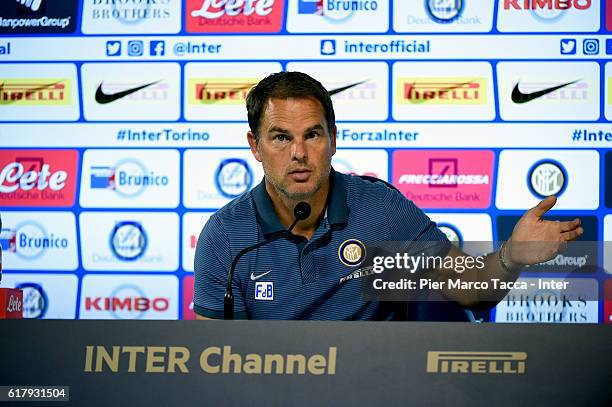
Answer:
(300, 212)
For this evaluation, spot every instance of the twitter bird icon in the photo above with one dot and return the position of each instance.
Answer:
(568, 46)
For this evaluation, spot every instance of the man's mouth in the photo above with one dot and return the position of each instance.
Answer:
(300, 174)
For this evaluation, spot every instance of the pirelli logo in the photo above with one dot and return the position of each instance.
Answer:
(476, 362)
(220, 91)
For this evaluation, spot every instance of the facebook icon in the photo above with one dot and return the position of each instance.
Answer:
(157, 48)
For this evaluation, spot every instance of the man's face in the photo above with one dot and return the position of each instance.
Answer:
(294, 147)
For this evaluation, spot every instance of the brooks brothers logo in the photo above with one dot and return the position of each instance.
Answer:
(442, 91)
(35, 301)
(352, 252)
(128, 241)
(521, 97)
(476, 362)
(212, 360)
(104, 98)
(233, 177)
(445, 11)
(130, 11)
(547, 177)
(35, 92)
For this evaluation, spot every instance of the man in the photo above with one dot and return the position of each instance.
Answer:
(293, 134)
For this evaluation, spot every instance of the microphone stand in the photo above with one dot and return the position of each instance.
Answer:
(301, 212)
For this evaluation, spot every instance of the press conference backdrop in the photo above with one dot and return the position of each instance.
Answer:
(123, 130)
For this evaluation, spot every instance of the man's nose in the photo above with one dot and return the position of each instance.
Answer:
(298, 150)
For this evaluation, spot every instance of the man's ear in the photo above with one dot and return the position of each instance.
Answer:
(253, 144)
(333, 139)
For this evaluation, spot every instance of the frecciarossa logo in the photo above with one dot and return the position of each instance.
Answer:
(38, 177)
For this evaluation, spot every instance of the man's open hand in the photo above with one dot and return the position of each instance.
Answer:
(535, 240)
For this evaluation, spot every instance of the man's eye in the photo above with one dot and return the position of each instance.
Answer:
(313, 134)
(281, 137)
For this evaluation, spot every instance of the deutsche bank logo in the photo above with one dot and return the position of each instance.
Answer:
(547, 177)
(35, 301)
(128, 241)
(234, 177)
(444, 11)
(264, 291)
(157, 48)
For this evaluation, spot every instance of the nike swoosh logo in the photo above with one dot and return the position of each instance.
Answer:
(520, 97)
(255, 277)
(27, 93)
(342, 89)
(104, 98)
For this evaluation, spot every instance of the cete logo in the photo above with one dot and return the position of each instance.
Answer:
(38, 177)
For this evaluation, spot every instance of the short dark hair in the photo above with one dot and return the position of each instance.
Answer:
(285, 85)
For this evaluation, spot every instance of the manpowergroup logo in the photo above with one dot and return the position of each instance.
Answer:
(548, 15)
(38, 241)
(234, 16)
(338, 16)
(130, 178)
(578, 257)
(445, 178)
(131, 16)
(469, 362)
(38, 177)
(129, 297)
(38, 16)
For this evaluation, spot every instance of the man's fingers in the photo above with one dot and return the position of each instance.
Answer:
(573, 234)
(544, 206)
(570, 225)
